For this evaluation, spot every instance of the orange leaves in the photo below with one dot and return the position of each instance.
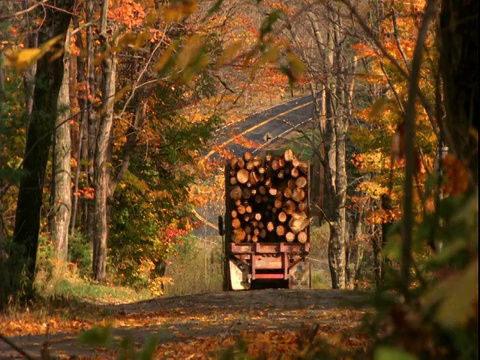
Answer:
(381, 216)
(372, 161)
(255, 344)
(86, 192)
(30, 324)
(127, 12)
(457, 176)
(398, 144)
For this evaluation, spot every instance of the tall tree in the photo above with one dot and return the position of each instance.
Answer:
(320, 38)
(459, 69)
(61, 181)
(48, 80)
(101, 160)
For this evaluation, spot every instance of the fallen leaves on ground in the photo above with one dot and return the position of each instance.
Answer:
(200, 330)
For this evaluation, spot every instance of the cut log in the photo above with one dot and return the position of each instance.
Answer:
(246, 193)
(287, 193)
(289, 207)
(298, 194)
(296, 162)
(240, 163)
(300, 182)
(270, 196)
(236, 193)
(291, 184)
(257, 161)
(241, 209)
(242, 176)
(263, 233)
(275, 164)
(272, 191)
(288, 155)
(239, 235)
(278, 203)
(302, 206)
(295, 172)
(280, 230)
(290, 236)
(236, 223)
(302, 237)
(298, 222)
(270, 226)
(303, 168)
(253, 177)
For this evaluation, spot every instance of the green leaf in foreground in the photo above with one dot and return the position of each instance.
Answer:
(391, 353)
(98, 336)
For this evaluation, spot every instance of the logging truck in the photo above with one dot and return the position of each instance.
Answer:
(265, 228)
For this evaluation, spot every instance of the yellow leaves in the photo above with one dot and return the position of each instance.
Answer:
(184, 61)
(165, 58)
(190, 52)
(457, 297)
(369, 161)
(22, 59)
(178, 10)
(294, 68)
(127, 12)
(230, 52)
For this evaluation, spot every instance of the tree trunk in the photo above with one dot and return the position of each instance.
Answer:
(336, 175)
(459, 70)
(91, 126)
(48, 80)
(61, 189)
(354, 251)
(101, 171)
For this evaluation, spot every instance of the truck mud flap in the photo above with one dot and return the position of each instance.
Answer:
(300, 275)
(239, 275)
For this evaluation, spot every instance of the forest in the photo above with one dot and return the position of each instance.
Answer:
(108, 109)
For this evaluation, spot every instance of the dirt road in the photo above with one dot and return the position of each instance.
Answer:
(177, 320)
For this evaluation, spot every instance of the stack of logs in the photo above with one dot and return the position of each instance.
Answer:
(268, 198)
